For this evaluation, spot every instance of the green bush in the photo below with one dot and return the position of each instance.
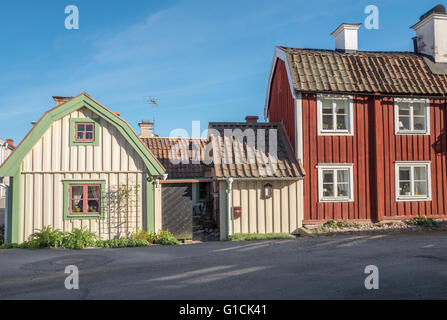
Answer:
(122, 243)
(340, 224)
(79, 239)
(45, 238)
(165, 238)
(144, 235)
(424, 221)
(259, 236)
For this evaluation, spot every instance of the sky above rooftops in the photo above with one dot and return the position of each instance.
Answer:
(204, 60)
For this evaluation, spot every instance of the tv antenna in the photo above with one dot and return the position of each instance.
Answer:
(154, 102)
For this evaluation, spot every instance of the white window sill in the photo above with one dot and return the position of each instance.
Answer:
(412, 133)
(412, 199)
(335, 133)
(337, 200)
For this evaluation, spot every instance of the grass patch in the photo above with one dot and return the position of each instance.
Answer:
(259, 236)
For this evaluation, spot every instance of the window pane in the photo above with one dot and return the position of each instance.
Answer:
(404, 109)
(404, 123)
(404, 174)
(81, 127)
(419, 173)
(89, 127)
(419, 123)
(88, 136)
(327, 106)
(343, 189)
(419, 109)
(93, 206)
(420, 188)
(80, 136)
(94, 192)
(342, 122)
(342, 176)
(77, 206)
(328, 190)
(328, 176)
(328, 122)
(404, 188)
(341, 106)
(77, 192)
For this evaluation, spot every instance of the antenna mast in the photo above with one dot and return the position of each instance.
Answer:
(154, 102)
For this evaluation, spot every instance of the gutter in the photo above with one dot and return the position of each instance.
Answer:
(230, 183)
(263, 179)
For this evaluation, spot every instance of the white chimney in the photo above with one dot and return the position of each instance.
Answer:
(146, 129)
(346, 38)
(431, 34)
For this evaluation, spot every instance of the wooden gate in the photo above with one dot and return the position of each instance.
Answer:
(177, 209)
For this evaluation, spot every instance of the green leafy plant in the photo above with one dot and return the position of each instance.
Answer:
(424, 221)
(122, 243)
(46, 238)
(144, 235)
(259, 236)
(79, 239)
(165, 238)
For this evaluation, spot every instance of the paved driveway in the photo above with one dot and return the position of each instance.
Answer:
(410, 266)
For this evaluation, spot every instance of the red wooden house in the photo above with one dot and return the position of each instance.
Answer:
(369, 127)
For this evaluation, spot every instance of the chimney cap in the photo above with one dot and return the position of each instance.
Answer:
(346, 26)
(440, 9)
(251, 119)
(60, 100)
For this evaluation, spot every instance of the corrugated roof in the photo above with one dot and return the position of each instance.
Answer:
(240, 160)
(161, 148)
(396, 73)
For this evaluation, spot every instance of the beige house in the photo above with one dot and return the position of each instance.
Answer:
(81, 166)
(259, 188)
(6, 148)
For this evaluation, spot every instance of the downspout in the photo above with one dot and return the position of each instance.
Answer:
(230, 183)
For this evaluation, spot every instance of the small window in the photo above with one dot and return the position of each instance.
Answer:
(413, 181)
(411, 116)
(335, 115)
(335, 183)
(85, 131)
(85, 199)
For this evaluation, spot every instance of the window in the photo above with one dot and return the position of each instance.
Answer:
(411, 116)
(413, 181)
(335, 115)
(335, 183)
(85, 131)
(83, 199)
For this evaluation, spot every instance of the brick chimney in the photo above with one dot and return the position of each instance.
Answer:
(61, 100)
(10, 143)
(431, 34)
(251, 119)
(146, 129)
(346, 37)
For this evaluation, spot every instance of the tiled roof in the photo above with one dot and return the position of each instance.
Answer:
(252, 161)
(397, 73)
(161, 148)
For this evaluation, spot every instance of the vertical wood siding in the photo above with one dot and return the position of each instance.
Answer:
(282, 104)
(53, 160)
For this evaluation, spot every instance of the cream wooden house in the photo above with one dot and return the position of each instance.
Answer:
(81, 166)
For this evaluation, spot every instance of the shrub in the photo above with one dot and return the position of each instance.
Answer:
(122, 243)
(79, 239)
(165, 238)
(259, 236)
(144, 235)
(339, 224)
(45, 238)
(424, 221)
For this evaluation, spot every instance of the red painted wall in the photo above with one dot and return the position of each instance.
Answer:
(281, 102)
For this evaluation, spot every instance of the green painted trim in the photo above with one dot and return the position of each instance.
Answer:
(15, 195)
(13, 163)
(150, 206)
(73, 141)
(67, 215)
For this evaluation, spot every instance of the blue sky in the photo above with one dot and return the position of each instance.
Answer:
(204, 60)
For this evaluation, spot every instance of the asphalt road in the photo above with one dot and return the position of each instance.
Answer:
(410, 267)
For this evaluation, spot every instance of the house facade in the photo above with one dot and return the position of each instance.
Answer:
(81, 166)
(369, 127)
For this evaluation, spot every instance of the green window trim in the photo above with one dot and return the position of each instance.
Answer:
(67, 215)
(73, 141)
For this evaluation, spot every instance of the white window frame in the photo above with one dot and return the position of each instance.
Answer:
(412, 164)
(338, 166)
(350, 109)
(397, 131)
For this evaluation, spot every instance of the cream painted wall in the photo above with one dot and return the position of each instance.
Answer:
(280, 213)
(52, 160)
